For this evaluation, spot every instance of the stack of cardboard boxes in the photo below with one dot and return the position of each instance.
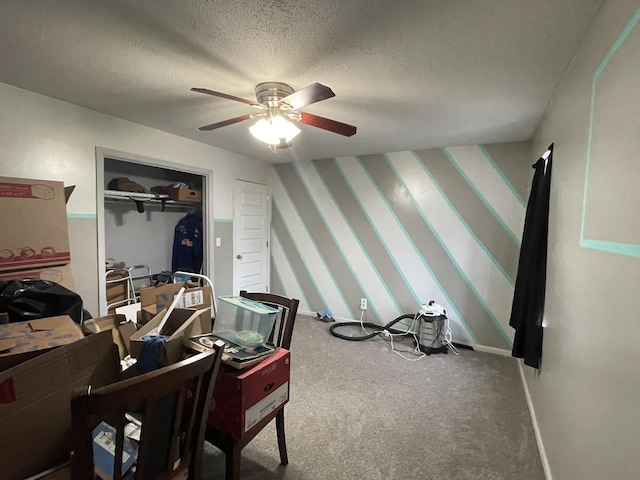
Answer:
(35, 238)
(43, 360)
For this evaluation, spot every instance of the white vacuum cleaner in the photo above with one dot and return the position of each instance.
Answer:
(431, 329)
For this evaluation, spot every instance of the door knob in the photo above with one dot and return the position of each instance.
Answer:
(239, 257)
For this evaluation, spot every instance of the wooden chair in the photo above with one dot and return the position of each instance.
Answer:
(280, 337)
(173, 402)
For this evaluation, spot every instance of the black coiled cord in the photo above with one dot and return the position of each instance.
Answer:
(378, 329)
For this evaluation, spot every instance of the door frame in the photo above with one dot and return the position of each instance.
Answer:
(267, 233)
(207, 210)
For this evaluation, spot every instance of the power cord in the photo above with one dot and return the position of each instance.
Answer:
(446, 337)
(386, 332)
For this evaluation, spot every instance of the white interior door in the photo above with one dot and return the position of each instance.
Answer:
(250, 237)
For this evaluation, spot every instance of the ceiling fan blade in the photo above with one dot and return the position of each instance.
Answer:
(327, 124)
(224, 123)
(307, 95)
(224, 95)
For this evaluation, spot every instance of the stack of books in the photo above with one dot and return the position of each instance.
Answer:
(235, 355)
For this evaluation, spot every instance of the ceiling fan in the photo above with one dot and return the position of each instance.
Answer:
(280, 105)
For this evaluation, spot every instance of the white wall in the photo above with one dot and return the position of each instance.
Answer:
(586, 397)
(41, 137)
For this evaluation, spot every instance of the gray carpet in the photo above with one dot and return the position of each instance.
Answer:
(359, 411)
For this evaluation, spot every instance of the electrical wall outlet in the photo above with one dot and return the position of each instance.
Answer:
(363, 304)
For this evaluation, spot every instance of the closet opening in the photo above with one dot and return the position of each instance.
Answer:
(144, 203)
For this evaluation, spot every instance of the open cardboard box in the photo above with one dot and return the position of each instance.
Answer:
(35, 417)
(183, 322)
(155, 299)
(21, 341)
(120, 329)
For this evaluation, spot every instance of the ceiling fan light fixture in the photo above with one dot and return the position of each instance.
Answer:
(273, 130)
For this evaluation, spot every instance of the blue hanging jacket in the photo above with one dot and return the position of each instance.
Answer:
(187, 244)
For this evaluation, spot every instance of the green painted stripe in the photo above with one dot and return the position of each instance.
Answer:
(82, 215)
(223, 220)
(480, 220)
(503, 176)
(444, 246)
(628, 249)
(586, 172)
(344, 187)
(281, 170)
(390, 274)
(277, 286)
(276, 281)
(336, 243)
(417, 250)
(618, 43)
(481, 197)
(302, 270)
(380, 237)
(461, 218)
(336, 265)
(293, 271)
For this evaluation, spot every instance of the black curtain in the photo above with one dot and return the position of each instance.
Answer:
(528, 297)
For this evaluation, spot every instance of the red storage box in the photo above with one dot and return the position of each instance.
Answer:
(243, 398)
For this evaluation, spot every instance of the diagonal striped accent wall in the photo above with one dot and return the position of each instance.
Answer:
(404, 228)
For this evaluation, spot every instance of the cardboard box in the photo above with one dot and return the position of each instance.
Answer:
(34, 218)
(243, 398)
(179, 194)
(35, 418)
(21, 341)
(120, 329)
(182, 322)
(154, 299)
(60, 274)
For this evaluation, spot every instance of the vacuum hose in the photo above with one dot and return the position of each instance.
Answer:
(377, 329)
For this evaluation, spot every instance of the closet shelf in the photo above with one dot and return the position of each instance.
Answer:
(140, 198)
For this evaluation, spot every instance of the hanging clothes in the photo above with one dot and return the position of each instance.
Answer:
(187, 244)
(527, 309)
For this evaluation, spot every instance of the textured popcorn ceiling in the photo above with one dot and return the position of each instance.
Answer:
(410, 74)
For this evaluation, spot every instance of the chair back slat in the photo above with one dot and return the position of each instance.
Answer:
(283, 328)
(117, 466)
(173, 421)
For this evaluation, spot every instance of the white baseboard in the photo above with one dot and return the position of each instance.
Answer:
(497, 351)
(337, 319)
(534, 422)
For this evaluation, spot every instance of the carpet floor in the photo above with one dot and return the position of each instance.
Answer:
(359, 411)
